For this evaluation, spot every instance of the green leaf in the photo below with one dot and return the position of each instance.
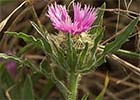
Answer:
(47, 47)
(94, 62)
(85, 97)
(18, 60)
(98, 36)
(101, 95)
(51, 76)
(121, 38)
(82, 56)
(99, 20)
(45, 68)
(3, 23)
(24, 49)
(28, 89)
(42, 44)
(100, 15)
(27, 38)
(127, 53)
(47, 89)
(100, 59)
(62, 88)
(9, 57)
(60, 57)
(38, 29)
(44, 35)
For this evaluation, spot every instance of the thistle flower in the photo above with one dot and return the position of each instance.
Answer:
(83, 18)
(10, 66)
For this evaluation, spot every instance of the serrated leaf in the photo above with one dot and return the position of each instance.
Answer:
(9, 57)
(18, 60)
(27, 38)
(3, 23)
(28, 89)
(42, 44)
(121, 38)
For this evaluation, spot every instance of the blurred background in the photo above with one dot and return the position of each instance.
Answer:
(124, 82)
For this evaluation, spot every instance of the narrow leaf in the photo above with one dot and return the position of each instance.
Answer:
(97, 40)
(9, 57)
(121, 38)
(24, 49)
(82, 57)
(27, 38)
(38, 29)
(100, 15)
(28, 89)
(18, 60)
(85, 97)
(60, 54)
(83, 54)
(99, 20)
(63, 89)
(42, 44)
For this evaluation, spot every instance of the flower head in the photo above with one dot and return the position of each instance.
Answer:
(10, 66)
(83, 18)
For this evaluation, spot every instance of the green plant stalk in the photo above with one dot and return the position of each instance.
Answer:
(124, 52)
(128, 53)
(73, 85)
(34, 13)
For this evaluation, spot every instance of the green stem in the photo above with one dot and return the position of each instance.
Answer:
(125, 52)
(73, 85)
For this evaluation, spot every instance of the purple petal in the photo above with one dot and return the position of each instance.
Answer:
(83, 18)
(11, 68)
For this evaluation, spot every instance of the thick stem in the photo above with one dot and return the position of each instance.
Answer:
(73, 86)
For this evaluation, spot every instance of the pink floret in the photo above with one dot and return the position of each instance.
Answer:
(83, 18)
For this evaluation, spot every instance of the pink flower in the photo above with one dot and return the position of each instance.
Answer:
(83, 18)
(10, 66)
